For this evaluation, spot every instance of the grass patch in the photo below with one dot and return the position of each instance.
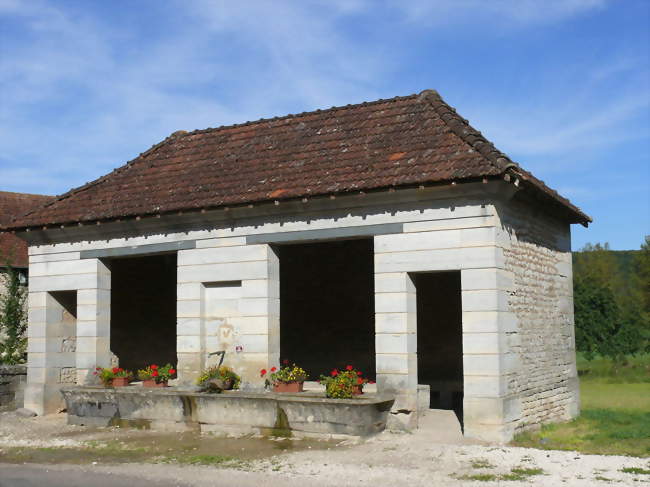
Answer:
(515, 474)
(615, 418)
(636, 470)
(634, 369)
(481, 463)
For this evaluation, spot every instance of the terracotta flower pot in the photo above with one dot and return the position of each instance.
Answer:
(357, 390)
(288, 387)
(120, 382)
(153, 383)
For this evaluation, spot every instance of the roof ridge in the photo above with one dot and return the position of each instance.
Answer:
(461, 127)
(301, 114)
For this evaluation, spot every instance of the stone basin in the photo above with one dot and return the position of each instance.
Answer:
(267, 413)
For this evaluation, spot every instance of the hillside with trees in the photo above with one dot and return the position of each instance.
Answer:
(612, 300)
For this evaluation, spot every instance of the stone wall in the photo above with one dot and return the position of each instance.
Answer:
(538, 255)
(12, 386)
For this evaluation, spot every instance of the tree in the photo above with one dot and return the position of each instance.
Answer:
(13, 319)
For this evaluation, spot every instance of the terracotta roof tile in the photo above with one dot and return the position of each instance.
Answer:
(410, 140)
(13, 205)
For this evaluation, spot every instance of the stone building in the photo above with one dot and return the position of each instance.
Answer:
(390, 235)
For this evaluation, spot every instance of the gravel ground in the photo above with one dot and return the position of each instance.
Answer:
(420, 459)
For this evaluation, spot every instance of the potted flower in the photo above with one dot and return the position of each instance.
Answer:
(286, 379)
(114, 376)
(218, 378)
(155, 376)
(344, 384)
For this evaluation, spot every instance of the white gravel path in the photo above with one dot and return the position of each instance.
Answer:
(411, 460)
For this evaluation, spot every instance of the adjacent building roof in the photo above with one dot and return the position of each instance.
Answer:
(12, 249)
(400, 142)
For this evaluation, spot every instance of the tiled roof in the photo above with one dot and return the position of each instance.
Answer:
(13, 205)
(400, 142)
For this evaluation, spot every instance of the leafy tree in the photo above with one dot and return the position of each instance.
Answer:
(611, 312)
(13, 319)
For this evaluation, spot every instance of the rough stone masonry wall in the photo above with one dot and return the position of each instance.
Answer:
(12, 386)
(539, 258)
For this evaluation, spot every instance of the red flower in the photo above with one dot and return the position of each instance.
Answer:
(334, 373)
(262, 372)
(359, 381)
(172, 371)
(115, 370)
(120, 369)
(98, 368)
(371, 382)
(154, 367)
(285, 362)
(349, 367)
(94, 373)
(273, 369)
(359, 373)
(154, 373)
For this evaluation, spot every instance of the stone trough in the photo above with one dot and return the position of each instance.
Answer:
(304, 414)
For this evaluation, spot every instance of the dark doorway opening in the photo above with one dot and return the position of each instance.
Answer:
(440, 338)
(327, 307)
(143, 310)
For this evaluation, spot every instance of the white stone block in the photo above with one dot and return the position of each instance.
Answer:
(93, 328)
(222, 255)
(254, 343)
(251, 324)
(395, 322)
(393, 282)
(394, 302)
(484, 386)
(260, 288)
(36, 330)
(485, 300)
(254, 306)
(477, 279)
(63, 268)
(396, 343)
(188, 309)
(223, 272)
(220, 242)
(189, 291)
(188, 344)
(37, 300)
(450, 224)
(489, 321)
(396, 363)
(188, 326)
(93, 344)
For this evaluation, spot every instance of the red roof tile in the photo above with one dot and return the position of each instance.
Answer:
(13, 249)
(403, 141)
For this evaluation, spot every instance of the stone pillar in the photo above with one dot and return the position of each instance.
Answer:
(489, 362)
(228, 299)
(51, 351)
(94, 324)
(396, 345)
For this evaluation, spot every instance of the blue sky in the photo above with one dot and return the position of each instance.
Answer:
(563, 87)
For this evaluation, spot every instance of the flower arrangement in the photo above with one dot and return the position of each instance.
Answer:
(218, 378)
(153, 374)
(284, 376)
(108, 375)
(344, 384)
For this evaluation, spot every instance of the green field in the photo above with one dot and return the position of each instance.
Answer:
(615, 413)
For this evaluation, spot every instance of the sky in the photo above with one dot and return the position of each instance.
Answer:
(561, 86)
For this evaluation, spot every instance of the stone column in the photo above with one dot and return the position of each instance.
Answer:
(489, 363)
(228, 299)
(94, 324)
(396, 345)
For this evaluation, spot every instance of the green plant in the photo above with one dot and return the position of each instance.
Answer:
(106, 375)
(285, 374)
(222, 372)
(156, 373)
(13, 319)
(342, 384)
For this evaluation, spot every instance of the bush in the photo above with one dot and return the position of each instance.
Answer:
(13, 319)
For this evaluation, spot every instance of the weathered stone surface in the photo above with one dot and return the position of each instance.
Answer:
(25, 413)
(266, 413)
(12, 386)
